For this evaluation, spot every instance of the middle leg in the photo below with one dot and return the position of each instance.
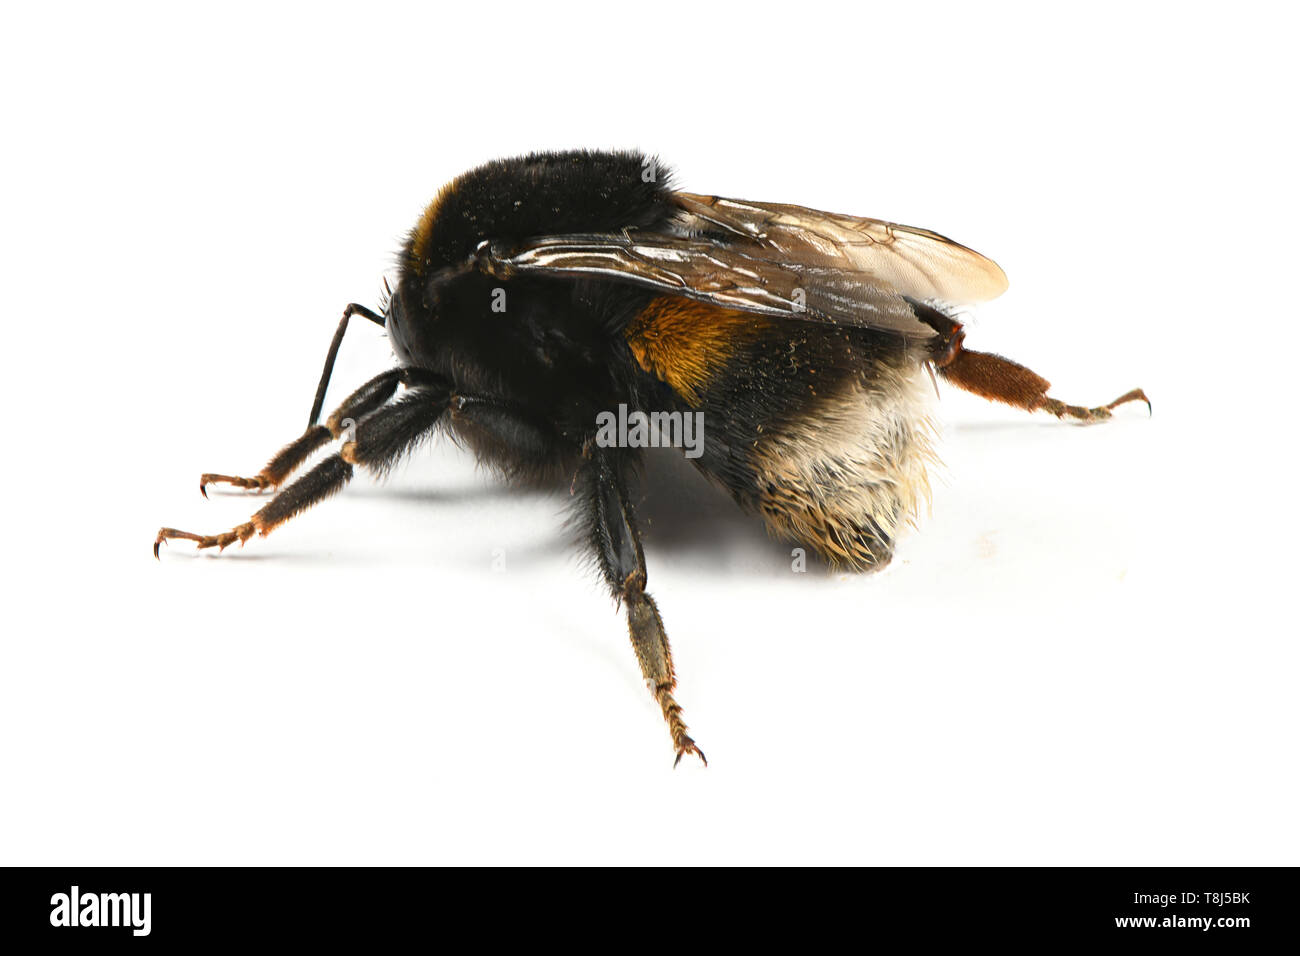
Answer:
(617, 543)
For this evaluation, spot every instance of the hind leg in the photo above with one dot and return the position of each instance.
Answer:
(1002, 380)
(1098, 414)
(382, 437)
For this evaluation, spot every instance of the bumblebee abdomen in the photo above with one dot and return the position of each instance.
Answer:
(845, 475)
(824, 432)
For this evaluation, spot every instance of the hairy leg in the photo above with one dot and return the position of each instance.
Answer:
(299, 450)
(370, 396)
(617, 543)
(1002, 380)
(382, 437)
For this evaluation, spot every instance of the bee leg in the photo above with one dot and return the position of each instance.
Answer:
(1098, 414)
(617, 543)
(382, 437)
(1002, 380)
(296, 452)
(360, 403)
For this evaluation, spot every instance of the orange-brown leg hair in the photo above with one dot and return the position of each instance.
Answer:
(382, 437)
(1002, 380)
(617, 543)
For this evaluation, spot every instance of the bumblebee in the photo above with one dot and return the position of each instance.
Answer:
(537, 294)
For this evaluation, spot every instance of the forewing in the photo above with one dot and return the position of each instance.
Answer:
(730, 274)
(772, 259)
(918, 263)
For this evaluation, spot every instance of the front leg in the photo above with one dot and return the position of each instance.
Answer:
(617, 543)
(383, 436)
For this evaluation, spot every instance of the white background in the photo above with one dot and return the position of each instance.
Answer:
(1085, 655)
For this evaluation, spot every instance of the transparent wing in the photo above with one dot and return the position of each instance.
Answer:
(772, 259)
(727, 274)
(917, 263)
